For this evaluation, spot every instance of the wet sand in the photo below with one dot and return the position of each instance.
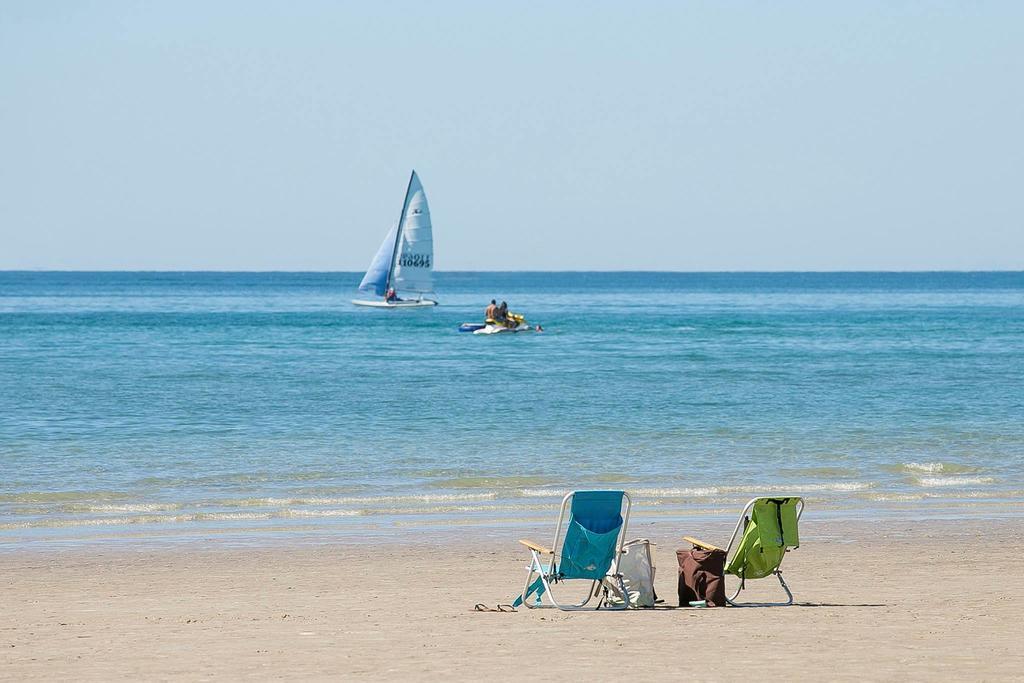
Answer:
(875, 600)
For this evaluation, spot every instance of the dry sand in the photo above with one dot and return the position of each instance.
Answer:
(875, 600)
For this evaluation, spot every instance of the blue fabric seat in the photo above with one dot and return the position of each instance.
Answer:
(588, 550)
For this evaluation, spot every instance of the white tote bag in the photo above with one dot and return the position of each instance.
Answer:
(637, 568)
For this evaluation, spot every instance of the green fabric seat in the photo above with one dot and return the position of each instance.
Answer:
(767, 528)
(772, 527)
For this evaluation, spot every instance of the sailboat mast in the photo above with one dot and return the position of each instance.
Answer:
(398, 233)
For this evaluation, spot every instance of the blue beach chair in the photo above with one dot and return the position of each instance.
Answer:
(589, 550)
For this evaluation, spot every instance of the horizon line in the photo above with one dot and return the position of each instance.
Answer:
(574, 270)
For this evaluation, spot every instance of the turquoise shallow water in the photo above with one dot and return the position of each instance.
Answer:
(160, 405)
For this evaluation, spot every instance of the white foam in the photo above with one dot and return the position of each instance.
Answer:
(224, 516)
(695, 492)
(322, 513)
(543, 493)
(101, 521)
(794, 489)
(711, 491)
(929, 467)
(954, 481)
(836, 486)
(896, 497)
(129, 507)
(361, 500)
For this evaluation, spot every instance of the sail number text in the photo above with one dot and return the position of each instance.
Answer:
(414, 261)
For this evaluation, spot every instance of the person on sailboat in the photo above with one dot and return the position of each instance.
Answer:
(391, 295)
(491, 311)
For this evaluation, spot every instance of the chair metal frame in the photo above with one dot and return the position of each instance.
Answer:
(611, 583)
(737, 533)
(741, 527)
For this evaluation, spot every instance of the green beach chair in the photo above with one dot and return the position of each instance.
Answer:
(766, 531)
(589, 550)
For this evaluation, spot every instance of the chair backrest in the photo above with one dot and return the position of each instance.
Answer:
(768, 525)
(593, 534)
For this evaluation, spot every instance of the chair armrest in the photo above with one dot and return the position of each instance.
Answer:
(700, 544)
(537, 546)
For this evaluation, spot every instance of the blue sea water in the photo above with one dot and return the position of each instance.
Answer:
(184, 405)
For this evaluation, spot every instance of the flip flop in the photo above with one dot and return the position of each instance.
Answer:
(481, 607)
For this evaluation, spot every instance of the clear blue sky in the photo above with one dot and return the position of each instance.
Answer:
(598, 135)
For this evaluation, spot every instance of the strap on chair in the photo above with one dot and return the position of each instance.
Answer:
(779, 502)
(536, 587)
(743, 569)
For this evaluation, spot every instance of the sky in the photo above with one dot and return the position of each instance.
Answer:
(685, 136)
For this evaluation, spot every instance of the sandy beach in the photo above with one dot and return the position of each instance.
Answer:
(875, 600)
(310, 312)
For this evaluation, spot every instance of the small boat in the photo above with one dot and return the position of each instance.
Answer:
(502, 329)
(494, 327)
(404, 263)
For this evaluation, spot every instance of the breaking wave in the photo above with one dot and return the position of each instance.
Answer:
(934, 468)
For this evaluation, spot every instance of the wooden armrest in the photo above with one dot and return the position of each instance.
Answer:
(537, 546)
(700, 544)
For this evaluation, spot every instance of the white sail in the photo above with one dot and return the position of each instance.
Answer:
(376, 279)
(413, 268)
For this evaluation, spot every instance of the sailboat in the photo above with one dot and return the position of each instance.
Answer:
(405, 261)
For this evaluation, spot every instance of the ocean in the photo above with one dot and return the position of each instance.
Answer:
(176, 407)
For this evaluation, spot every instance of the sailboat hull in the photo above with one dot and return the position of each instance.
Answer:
(414, 303)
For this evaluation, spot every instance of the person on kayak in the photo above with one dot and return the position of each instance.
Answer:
(491, 311)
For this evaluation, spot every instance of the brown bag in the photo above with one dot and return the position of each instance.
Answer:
(701, 576)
